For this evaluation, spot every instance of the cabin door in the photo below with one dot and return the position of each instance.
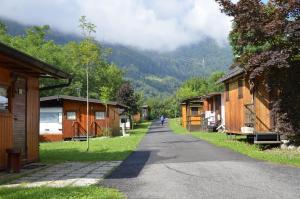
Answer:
(19, 114)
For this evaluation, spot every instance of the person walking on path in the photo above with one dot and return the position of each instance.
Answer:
(162, 120)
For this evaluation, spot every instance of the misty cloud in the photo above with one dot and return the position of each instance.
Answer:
(146, 24)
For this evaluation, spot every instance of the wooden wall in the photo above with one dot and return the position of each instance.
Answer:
(6, 122)
(33, 118)
(235, 108)
(183, 115)
(96, 127)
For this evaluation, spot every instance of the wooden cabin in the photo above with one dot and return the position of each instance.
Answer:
(19, 102)
(214, 108)
(145, 110)
(247, 111)
(192, 111)
(64, 117)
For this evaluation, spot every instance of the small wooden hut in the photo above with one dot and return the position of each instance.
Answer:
(247, 107)
(19, 102)
(214, 108)
(64, 117)
(192, 112)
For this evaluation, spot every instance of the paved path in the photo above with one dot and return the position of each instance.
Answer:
(180, 166)
(67, 174)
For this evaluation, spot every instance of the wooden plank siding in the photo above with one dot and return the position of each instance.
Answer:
(183, 115)
(30, 105)
(96, 126)
(33, 115)
(6, 136)
(235, 107)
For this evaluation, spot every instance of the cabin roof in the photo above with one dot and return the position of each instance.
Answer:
(232, 73)
(26, 64)
(80, 99)
(212, 94)
(197, 98)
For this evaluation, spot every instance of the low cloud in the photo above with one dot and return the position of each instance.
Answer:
(146, 24)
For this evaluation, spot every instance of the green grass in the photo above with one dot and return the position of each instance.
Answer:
(101, 149)
(57, 193)
(240, 145)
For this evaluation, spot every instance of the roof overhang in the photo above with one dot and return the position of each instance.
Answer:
(231, 74)
(22, 63)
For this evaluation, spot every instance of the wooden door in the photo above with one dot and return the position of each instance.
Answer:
(19, 114)
(70, 124)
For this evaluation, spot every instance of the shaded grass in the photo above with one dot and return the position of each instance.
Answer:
(57, 193)
(275, 155)
(101, 149)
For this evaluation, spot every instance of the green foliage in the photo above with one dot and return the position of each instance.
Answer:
(200, 86)
(169, 106)
(72, 57)
(127, 96)
(57, 193)
(101, 149)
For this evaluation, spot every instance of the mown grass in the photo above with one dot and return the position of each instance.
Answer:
(275, 155)
(57, 193)
(101, 149)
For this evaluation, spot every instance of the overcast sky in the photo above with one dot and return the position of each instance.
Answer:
(147, 24)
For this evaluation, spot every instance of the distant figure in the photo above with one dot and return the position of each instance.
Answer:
(162, 120)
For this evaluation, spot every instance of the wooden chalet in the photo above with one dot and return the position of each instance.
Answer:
(214, 108)
(19, 102)
(247, 107)
(64, 117)
(192, 111)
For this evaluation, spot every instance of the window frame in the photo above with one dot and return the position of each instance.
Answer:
(104, 115)
(227, 97)
(240, 88)
(8, 99)
(71, 112)
(193, 112)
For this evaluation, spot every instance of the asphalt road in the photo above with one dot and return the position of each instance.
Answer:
(173, 166)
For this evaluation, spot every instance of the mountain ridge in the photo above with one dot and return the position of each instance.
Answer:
(154, 72)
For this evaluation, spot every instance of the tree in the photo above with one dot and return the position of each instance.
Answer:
(128, 97)
(265, 40)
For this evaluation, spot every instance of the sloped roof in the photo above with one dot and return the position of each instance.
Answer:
(232, 73)
(21, 62)
(80, 99)
(200, 98)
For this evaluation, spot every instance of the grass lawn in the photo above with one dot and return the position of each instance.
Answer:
(101, 149)
(275, 155)
(57, 193)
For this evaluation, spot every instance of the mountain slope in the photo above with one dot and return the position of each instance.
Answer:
(155, 72)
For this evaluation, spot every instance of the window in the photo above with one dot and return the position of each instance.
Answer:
(194, 111)
(240, 88)
(3, 99)
(71, 115)
(100, 115)
(50, 117)
(227, 91)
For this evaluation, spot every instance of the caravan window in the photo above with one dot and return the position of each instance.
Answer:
(50, 117)
(71, 115)
(99, 115)
(3, 99)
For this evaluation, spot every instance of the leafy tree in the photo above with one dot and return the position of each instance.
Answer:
(128, 97)
(71, 57)
(266, 42)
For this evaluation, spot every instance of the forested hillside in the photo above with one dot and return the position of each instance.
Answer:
(155, 72)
